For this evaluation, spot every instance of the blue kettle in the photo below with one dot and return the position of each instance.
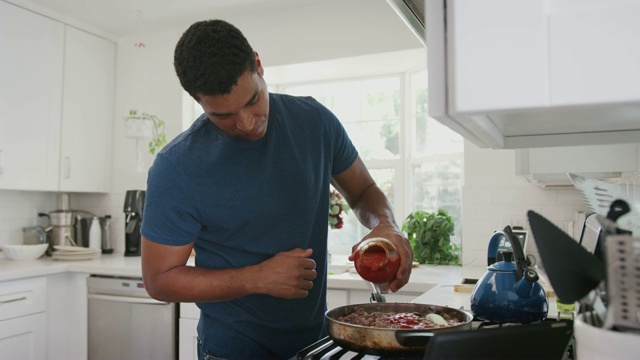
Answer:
(509, 291)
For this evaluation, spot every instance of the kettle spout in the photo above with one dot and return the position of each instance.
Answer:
(525, 287)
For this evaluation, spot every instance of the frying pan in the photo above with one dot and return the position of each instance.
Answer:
(389, 341)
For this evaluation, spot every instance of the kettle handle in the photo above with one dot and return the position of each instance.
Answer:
(518, 252)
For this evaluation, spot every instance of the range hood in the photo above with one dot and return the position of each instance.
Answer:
(514, 75)
(412, 13)
(549, 167)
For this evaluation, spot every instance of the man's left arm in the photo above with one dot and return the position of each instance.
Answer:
(374, 211)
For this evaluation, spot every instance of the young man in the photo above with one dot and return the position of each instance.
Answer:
(247, 187)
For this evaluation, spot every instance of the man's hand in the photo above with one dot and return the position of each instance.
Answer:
(287, 275)
(396, 237)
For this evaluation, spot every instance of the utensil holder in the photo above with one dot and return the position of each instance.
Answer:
(595, 343)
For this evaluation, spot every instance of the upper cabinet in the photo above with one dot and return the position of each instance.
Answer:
(56, 105)
(513, 74)
(31, 64)
(88, 112)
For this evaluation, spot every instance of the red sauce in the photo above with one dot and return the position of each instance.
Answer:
(371, 264)
(405, 320)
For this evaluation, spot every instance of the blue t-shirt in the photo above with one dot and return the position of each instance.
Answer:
(244, 201)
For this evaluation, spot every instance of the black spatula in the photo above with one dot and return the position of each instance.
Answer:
(572, 270)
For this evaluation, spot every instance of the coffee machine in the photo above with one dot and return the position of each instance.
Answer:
(133, 210)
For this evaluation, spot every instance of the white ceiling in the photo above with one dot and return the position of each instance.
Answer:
(124, 17)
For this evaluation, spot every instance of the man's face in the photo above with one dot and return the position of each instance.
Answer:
(243, 113)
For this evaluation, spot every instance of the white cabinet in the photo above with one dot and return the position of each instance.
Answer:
(342, 297)
(337, 297)
(30, 99)
(188, 331)
(23, 338)
(547, 167)
(507, 74)
(56, 105)
(23, 321)
(67, 317)
(88, 112)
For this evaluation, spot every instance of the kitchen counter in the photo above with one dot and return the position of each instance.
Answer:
(342, 276)
(434, 283)
(116, 265)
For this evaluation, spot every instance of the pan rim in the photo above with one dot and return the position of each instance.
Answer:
(467, 314)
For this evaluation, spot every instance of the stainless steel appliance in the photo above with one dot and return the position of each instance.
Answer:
(65, 225)
(133, 209)
(126, 323)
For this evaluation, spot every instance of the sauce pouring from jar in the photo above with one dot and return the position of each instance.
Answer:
(377, 260)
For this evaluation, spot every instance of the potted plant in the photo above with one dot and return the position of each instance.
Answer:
(146, 126)
(430, 237)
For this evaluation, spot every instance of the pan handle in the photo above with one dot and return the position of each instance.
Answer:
(413, 337)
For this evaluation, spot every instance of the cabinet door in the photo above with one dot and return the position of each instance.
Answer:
(337, 297)
(497, 55)
(363, 297)
(88, 102)
(188, 343)
(30, 99)
(594, 52)
(24, 337)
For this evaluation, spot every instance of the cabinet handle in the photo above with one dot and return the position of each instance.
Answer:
(13, 300)
(127, 299)
(1, 161)
(67, 167)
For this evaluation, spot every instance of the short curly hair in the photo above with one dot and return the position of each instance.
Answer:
(210, 57)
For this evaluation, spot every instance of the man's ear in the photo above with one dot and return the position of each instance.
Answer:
(258, 63)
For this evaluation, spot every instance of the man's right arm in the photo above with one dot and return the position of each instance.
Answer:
(167, 277)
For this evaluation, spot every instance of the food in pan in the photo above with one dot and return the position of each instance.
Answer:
(398, 320)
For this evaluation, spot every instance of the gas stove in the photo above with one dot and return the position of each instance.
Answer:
(555, 340)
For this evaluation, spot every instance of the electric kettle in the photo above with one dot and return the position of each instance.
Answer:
(509, 291)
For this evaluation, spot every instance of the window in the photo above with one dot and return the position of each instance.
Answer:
(382, 103)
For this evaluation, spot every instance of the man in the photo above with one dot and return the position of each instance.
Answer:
(247, 187)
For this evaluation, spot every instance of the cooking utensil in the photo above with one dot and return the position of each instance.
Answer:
(376, 294)
(571, 269)
(599, 195)
(509, 292)
(623, 282)
(387, 341)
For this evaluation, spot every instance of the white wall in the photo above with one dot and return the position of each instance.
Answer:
(493, 197)
(21, 208)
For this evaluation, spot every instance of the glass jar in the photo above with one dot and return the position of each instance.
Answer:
(377, 260)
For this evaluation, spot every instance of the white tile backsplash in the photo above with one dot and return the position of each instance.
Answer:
(19, 209)
(493, 197)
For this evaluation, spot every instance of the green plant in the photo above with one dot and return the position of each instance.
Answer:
(158, 137)
(430, 237)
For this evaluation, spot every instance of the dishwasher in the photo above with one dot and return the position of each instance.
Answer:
(126, 323)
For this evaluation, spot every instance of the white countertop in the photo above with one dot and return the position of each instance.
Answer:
(422, 278)
(116, 265)
(434, 283)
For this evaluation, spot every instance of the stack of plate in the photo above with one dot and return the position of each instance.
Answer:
(75, 253)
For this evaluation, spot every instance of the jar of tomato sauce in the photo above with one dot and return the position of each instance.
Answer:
(377, 260)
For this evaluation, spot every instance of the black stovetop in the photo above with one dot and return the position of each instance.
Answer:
(326, 349)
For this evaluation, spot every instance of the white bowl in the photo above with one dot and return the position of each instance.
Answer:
(24, 252)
